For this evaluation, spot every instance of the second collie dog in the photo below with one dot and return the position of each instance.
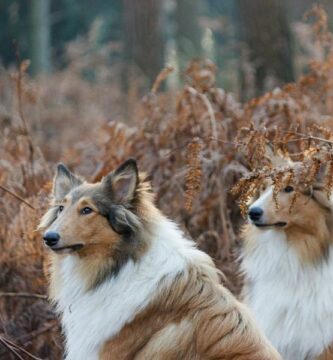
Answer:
(288, 266)
(128, 285)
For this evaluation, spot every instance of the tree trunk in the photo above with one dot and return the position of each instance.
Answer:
(188, 32)
(142, 31)
(40, 36)
(264, 30)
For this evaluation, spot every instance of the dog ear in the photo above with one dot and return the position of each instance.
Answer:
(122, 183)
(277, 159)
(319, 191)
(64, 181)
(123, 221)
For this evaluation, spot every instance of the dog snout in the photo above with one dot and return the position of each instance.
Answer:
(51, 238)
(255, 213)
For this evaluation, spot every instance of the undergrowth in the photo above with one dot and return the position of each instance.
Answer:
(196, 144)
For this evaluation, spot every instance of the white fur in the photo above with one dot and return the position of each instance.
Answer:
(292, 303)
(91, 318)
(263, 198)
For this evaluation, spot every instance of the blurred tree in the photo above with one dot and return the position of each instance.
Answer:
(143, 38)
(264, 29)
(67, 20)
(67, 23)
(299, 7)
(40, 36)
(188, 31)
(72, 18)
(14, 26)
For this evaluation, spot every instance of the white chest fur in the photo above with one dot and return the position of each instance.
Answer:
(91, 318)
(292, 303)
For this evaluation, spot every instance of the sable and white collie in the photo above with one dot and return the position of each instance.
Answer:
(288, 267)
(128, 285)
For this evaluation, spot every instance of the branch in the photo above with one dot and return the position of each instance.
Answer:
(14, 348)
(10, 348)
(307, 137)
(160, 78)
(22, 294)
(17, 197)
(22, 67)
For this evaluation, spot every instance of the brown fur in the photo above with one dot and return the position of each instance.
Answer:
(100, 241)
(309, 229)
(193, 318)
(104, 251)
(309, 223)
(327, 354)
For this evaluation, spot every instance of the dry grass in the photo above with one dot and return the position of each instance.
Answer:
(196, 144)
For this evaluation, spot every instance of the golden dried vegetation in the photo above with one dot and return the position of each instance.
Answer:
(196, 144)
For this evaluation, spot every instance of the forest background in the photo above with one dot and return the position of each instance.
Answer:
(194, 90)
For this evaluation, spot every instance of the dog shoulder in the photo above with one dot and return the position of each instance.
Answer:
(200, 320)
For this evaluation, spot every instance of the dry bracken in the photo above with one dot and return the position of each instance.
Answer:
(196, 144)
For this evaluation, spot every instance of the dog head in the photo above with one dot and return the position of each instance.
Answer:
(105, 217)
(305, 218)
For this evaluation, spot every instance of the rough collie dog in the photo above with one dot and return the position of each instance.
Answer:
(128, 285)
(288, 266)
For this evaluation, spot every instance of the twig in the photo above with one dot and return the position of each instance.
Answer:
(303, 137)
(10, 348)
(19, 348)
(14, 348)
(22, 294)
(22, 66)
(160, 78)
(307, 137)
(210, 111)
(18, 197)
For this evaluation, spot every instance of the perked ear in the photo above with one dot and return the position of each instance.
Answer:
(64, 181)
(277, 159)
(122, 183)
(320, 193)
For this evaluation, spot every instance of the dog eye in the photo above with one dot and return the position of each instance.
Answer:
(86, 211)
(60, 208)
(288, 189)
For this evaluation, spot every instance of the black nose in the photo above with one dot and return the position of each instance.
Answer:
(51, 238)
(255, 213)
